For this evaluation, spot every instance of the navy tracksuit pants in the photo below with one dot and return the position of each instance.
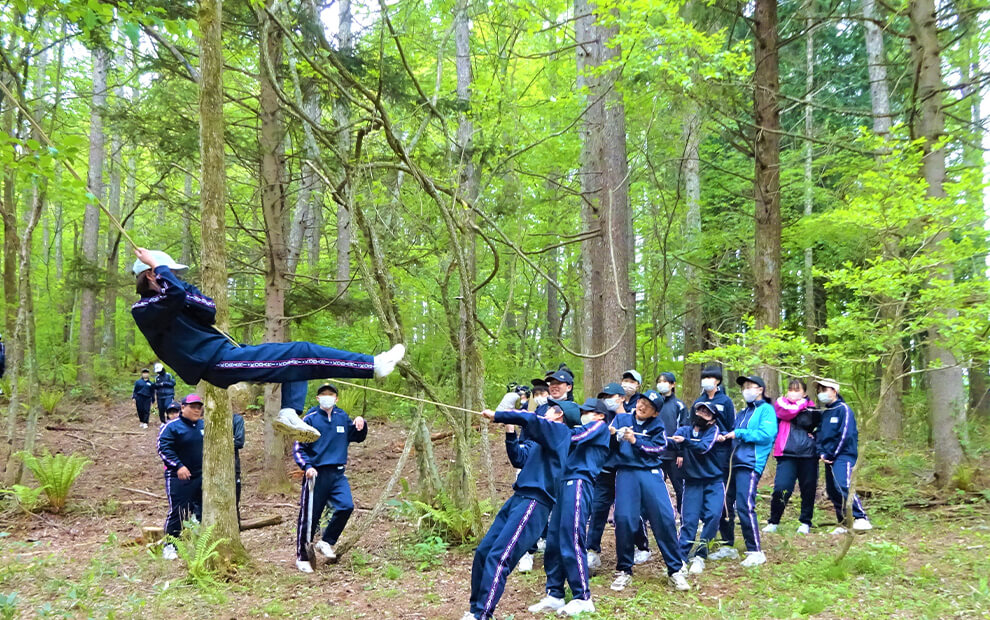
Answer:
(727, 521)
(516, 527)
(643, 493)
(837, 477)
(164, 398)
(143, 406)
(676, 476)
(185, 500)
(702, 501)
(742, 487)
(603, 497)
(290, 363)
(803, 471)
(331, 486)
(566, 556)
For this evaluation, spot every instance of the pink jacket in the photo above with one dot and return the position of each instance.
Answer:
(786, 411)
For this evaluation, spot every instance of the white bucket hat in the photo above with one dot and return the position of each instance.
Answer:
(162, 259)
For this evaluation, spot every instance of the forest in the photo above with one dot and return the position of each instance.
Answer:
(779, 188)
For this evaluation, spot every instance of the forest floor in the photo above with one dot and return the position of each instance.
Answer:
(927, 556)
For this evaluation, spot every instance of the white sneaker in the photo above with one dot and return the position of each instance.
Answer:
(641, 557)
(144, 425)
(541, 545)
(291, 424)
(304, 566)
(770, 528)
(468, 616)
(697, 565)
(754, 558)
(385, 362)
(525, 563)
(621, 581)
(839, 530)
(547, 603)
(594, 561)
(804, 528)
(862, 525)
(725, 553)
(679, 582)
(326, 549)
(577, 606)
(169, 552)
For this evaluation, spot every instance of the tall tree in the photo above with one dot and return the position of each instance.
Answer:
(694, 316)
(342, 115)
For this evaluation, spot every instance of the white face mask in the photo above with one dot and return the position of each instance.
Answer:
(708, 384)
(629, 387)
(613, 404)
(794, 397)
(540, 400)
(327, 401)
(587, 418)
(751, 394)
(825, 398)
(663, 387)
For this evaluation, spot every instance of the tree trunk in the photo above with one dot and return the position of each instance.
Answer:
(187, 193)
(342, 116)
(694, 318)
(219, 508)
(810, 325)
(876, 62)
(946, 397)
(91, 218)
(10, 235)
(108, 347)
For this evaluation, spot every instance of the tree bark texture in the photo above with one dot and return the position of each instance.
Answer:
(694, 317)
(342, 116)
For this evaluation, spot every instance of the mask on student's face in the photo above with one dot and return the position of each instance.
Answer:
(825, 398)
(663, 387)
(327, 401)
(540, 400)
(708, 383)
(751, 394)
(629, 387)
(701, 422)
(613, 404)
(587, 418)
(794, 396)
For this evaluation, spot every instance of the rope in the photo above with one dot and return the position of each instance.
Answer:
(397, 395)
(44, 138)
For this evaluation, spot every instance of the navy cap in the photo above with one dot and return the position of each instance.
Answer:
(539, 384)
(612, 389)
(655, 399)
(754, 379)
(144, 370)
(572, 413)
(327, 386)
(711, 371)
(669, 376)
(173, 406)
(594, 404)
(710, 408)
(561, 375)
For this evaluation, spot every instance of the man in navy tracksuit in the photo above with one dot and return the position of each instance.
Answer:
(180, 446)
(752, 441)
(179, 323)
(703, 487)
(713, 392)
(674, 415)
(838, 447)
(164, 390)
(566, 554)
(143, 395)
(324, 460)
(522, 518)
(640, 490)
(238, 444)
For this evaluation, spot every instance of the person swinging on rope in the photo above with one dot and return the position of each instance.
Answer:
(178, 322)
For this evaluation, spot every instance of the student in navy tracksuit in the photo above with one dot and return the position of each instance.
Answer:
(566, 554)
(238, 444)
(180, 446)
(712, 391)
(838, 448)
(324, 460)
(143, 395)
(164, 390)
(640, 490)
(752, 441)
(703, 487)
(522, 518)
(674, 415)
(178, 322)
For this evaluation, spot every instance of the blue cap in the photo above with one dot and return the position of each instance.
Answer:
(594, 404)
(173, 406)
(561, 375)
(634, 375)
(669, 376)
(612, 389)
(655, 399)
(572, 413)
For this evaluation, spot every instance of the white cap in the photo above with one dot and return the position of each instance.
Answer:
(159, 368)
(829, 383)
(162, 259)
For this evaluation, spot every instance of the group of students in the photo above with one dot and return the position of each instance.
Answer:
(575, 462)
(146, 392)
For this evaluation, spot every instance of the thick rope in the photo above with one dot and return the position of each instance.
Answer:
(397, 395)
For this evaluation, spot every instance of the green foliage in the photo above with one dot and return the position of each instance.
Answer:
(50, 400)
(8, 606)
(444, 520)
(392, 572)
(26, 498)
(56, 474)
(198, 549)
(428, 554)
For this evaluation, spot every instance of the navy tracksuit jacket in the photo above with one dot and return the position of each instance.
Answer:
(328, 455)
(838, 442)
(640, 491)
(725, 418)
(523, 517)
(180, 444)
(703, 488)
(178, 324)
(143, 395)
(674, 414)
(165, 391)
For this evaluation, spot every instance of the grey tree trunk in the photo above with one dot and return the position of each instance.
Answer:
(342, 116)
(694, 318)
(810, 325)
(109, 345)
(187, 193)
(876, 62)
(946, 396)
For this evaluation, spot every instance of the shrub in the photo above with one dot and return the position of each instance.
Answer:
(56, 474)
(445, 520)
(428, 553)
(26, 498)
(197, 549)
(8, 606)
(50, 400)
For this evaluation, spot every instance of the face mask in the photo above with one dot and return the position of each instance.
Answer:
(628, 387)
(708, 384)
(794, 397)
(751, 394)
(540, 400)
(825, 398)
(663, 387)
(327, 401)
(612, 404)
(700, 422)
(587, 418)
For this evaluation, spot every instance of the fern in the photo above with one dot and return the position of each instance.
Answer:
(56, 474)
(26, 498)
(50, 400)
(444, 519)
(198, 549)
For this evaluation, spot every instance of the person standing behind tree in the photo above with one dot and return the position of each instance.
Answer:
(180, 446)
(164, 390)
(143, 395)
(238, 444)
